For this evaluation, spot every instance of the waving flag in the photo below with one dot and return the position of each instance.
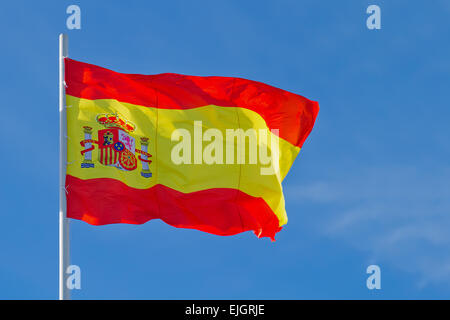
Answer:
(207, 153)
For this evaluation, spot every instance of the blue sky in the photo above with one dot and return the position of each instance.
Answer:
(371, 185)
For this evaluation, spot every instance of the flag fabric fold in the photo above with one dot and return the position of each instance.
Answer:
(206, 153)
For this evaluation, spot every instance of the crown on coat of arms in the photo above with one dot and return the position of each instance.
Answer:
(113, 120)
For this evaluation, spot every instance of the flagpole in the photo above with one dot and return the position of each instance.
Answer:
(64, 245)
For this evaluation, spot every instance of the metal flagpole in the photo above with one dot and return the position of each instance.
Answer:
(64, 258)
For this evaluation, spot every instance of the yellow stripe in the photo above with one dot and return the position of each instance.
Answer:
(184, 177)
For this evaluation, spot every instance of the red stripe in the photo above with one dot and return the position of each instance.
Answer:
(217, 211)
(102, 155)
(292, 114)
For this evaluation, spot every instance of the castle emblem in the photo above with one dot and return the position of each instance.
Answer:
(116, 145)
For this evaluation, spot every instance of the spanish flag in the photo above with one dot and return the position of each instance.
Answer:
(206, 153)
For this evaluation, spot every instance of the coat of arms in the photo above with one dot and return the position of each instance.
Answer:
(116, 145)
